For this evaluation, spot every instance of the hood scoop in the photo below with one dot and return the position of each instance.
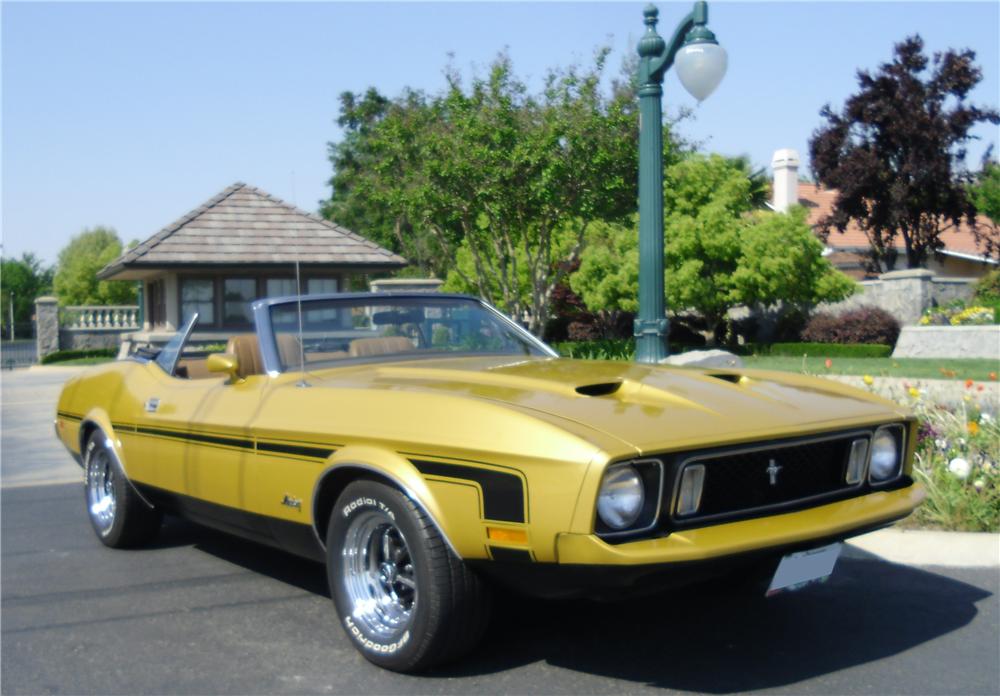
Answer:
(726, 377)
(599, 389)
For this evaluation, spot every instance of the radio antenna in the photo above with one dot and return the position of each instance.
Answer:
(302, 346)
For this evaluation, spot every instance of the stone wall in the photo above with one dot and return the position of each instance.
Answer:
(906, 294)
(80, 327)
(77, 339)
(948, 342)
(406, 285)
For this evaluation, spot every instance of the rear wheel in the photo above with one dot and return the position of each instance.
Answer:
(405, 600)
(119, 517)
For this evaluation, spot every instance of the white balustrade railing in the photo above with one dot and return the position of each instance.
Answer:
(104, 317)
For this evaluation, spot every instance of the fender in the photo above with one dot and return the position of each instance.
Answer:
(390, 466)
(97, 419)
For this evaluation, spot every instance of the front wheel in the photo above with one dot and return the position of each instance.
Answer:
(405, 600)
(119, 517)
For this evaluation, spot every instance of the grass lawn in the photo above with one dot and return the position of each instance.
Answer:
(977, 369)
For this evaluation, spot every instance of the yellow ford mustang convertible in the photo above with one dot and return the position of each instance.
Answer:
(427, 448)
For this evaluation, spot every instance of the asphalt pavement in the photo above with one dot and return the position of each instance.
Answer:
(202, 612)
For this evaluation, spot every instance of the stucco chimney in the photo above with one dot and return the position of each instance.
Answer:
(785, 164)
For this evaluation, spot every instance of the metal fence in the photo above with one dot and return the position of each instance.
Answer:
(18, 353)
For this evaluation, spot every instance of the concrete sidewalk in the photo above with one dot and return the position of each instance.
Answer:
(932, 548)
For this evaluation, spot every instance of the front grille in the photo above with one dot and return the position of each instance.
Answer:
(742, 480)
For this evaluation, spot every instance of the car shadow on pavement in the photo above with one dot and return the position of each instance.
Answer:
(704, 639)
(260, 559)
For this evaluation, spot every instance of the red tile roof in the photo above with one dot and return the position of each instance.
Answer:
(820, 202)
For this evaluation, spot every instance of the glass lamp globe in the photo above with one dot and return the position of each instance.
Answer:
(701, 67)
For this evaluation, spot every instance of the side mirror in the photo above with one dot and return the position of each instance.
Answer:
(225, 363)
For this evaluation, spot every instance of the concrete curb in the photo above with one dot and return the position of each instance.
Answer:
(932, 548)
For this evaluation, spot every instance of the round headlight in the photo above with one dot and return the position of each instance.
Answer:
(620, 499)
(885, 456)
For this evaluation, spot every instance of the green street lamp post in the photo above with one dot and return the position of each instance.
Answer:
(701, 65)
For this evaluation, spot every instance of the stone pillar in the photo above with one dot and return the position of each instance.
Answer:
(46, 325)
(906, 294)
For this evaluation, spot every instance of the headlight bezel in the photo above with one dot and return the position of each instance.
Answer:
(651, 474)
(898, 434)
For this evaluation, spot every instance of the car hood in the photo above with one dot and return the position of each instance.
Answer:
(649, 407)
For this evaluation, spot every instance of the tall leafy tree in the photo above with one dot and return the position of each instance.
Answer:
(495, 186)
(721, 251)
(22, 279)
(985, 194)
(75, 281)
(896, 152)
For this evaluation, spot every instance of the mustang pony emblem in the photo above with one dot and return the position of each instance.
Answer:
(772, 472)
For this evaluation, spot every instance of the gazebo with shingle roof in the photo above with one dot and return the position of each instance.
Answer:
(241, 245)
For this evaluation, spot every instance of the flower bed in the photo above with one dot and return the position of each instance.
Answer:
(958, 460)
(957, 456)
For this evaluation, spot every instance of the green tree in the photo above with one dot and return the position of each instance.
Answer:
(720, 251)
(985, 193)
(985, 196)
(24, 279)
(76, 281)
(490, 185)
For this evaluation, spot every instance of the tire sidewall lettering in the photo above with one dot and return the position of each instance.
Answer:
(368, 502)
(368, 644)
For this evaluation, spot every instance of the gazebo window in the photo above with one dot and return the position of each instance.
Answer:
(198, 295)
(237, 293)
(280, 287)
(318, 286)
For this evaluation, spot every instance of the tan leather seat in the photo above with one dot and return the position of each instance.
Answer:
(288, 350)
(247, 351)
(366, 347)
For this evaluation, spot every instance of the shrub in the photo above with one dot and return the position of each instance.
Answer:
(861, 325)
(607, 349)
(973, 315)
(987, 290)
(826, 350)
(582, 331)
(75, 353)
(957, 314)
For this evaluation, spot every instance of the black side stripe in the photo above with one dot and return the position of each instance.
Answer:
(196, 437)
(299, 450)
(239, 443)
(69, 416)
(503, 494)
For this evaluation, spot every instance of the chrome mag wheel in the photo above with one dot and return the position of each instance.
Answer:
(101, 498)
(378, 575)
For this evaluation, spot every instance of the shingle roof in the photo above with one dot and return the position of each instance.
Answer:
(820, 202)
(244, 225)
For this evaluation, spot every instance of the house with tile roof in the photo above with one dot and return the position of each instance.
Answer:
(961, 257)
(240, 245)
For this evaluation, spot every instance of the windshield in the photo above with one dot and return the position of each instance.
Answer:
(169, 355)
(396, 328)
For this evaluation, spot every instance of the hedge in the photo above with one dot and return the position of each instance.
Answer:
(827, 350)
(73, 354)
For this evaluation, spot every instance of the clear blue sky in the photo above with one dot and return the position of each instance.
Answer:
(131, 114)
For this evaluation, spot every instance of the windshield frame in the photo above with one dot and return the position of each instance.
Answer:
(268, 344)
(184, 334)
